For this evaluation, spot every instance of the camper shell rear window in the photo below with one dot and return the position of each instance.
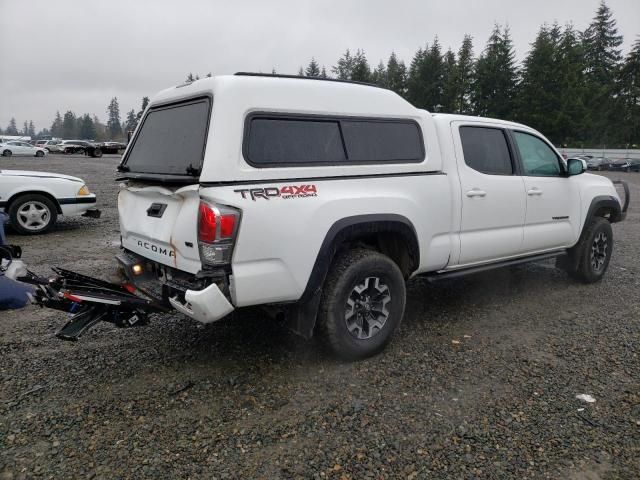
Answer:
(171, 140)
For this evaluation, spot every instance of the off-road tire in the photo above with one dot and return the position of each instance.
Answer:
(348, 271)
(580, 263)
(16, 204)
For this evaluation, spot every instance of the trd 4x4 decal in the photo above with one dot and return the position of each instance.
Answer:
(288, 191)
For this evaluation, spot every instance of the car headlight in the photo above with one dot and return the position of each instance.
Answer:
(84, 190)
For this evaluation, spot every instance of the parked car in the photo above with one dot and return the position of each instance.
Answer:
(594, 163)
(20, 148)
(34, 200)
(40, 143)
(51, 145)
(69, 147)
(113, 147)
(625, 165)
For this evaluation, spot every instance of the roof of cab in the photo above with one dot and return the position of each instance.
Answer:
(293, 94)
(450, 117)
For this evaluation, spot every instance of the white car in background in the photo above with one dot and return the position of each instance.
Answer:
(17, 147)
(34, 200)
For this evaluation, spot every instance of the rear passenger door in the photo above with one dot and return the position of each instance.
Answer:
(493, 196)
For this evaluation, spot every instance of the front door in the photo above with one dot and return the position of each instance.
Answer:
(553, 199)
(492, 194)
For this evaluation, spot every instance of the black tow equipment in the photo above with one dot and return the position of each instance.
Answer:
(90, 301)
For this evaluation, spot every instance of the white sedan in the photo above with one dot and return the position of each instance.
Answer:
(16, 147)
(34, 200)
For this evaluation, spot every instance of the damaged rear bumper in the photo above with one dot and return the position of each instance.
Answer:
(206, 305)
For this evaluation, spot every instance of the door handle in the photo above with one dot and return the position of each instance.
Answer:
(534, 191)
(476, 193)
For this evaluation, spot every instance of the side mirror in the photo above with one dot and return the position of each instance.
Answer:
(576, 166)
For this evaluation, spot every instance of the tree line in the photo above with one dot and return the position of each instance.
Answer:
(573, 86)
(87, 127)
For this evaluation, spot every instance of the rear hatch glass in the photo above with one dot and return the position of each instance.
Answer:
(171, 140)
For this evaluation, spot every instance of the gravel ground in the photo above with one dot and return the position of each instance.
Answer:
(480, 381)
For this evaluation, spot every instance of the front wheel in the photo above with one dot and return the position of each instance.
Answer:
(31, 214)
(589, 259)
(6, 153)
(362, 304)
(39, 153)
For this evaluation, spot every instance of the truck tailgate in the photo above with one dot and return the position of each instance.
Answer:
(161, 224)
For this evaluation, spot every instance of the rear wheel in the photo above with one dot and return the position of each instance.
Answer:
(97, 153)
(32, 214)
(589, 259)
(362, 304)
(6, 153)
(39, 153)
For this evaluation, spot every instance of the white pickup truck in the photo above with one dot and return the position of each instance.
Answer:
(318, 199)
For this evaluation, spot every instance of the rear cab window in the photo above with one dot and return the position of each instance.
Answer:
(274, 140)
(171, 140)
(486, 150)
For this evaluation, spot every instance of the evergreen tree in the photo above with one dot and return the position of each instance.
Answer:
(415, 85)
(25, 128)
(344, 69)
(12, 129)
(101, 129)
(132, 121)
(301, 72)
(425, 86)
(313, 69)
(496, 77)
(464, 77)
(629, 80)
(113, 123)
(361, 71)
(32, 129)
(539, 90)
(602, 62)
(572, 117)
(379, 75)
(56, 126)
(69, 125)
(323, 73)
(87, 129)
(396, 75)
(1, 132)
(601, 47)
(449, 85)
(145, 103)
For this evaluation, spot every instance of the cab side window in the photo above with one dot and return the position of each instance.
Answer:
(538, 159)
(485, 150)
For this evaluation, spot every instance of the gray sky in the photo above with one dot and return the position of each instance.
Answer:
(77, 54)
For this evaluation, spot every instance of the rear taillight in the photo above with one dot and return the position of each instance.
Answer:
(217, 228)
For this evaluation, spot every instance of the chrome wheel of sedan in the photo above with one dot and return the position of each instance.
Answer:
(34, 216)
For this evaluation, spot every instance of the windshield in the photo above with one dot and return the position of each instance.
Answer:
(171, 140)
